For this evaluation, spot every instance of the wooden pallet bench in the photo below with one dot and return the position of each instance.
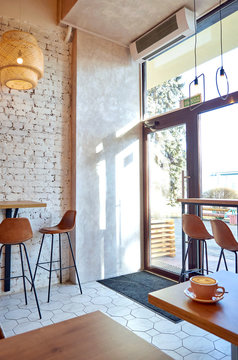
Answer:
(162, 238)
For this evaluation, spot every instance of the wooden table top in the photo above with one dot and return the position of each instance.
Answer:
(21, 204)
(89, 337)
(206, 201)
(220, 318)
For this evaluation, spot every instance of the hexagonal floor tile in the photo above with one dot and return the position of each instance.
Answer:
(198, 344)
(143, 335)
(142, 313)
(191, 329)
(223, 346)
(173, 354)
(17, 314)
(19, 329)
(120, 320)
(62, 316)
(75, 307)
(46, 315)
(53, 305)
(140, 324)
(101, 300)
(167, 341)
(118, 311)
(216, 354)
(122, 301)
(165, 326)
(81, 299)
(198, 356)
(93, 307)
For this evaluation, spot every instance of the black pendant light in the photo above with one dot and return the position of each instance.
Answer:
(220, 71)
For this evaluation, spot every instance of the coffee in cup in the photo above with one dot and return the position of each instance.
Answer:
(205, 287)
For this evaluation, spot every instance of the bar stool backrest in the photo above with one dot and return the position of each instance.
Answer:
(223, 235)
(68, 220)
(194, 227)
(15, 230)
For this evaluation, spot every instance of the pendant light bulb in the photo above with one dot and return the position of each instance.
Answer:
(19, 59)
(196, 81)
(222, 71)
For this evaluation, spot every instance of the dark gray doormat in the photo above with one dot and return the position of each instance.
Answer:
(136, 286)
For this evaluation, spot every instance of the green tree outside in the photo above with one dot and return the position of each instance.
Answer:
(168, 147)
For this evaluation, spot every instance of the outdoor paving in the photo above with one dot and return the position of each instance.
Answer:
(180, 341)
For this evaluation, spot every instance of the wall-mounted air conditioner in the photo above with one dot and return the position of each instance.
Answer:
(175, 28)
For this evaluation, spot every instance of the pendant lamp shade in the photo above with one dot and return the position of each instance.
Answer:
(21, 60)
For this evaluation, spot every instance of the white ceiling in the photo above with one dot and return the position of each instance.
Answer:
(123, 21)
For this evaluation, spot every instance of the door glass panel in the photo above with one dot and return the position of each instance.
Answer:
(219, 129)
(167, 160)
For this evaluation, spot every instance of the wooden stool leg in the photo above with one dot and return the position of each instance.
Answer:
(60, 258)
(51, 261)
(71, 249)
(32, 281)
(23, 274)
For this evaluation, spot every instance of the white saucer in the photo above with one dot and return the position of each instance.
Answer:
(189, 293)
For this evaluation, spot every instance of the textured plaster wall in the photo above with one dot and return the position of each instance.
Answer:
(35, 151)
(107, 159)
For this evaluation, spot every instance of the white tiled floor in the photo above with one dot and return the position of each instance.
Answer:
(180, 341)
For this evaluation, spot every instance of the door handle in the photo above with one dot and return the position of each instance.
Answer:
(183, 182)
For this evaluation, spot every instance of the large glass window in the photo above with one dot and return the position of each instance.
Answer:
(169, 74)
(219, 169)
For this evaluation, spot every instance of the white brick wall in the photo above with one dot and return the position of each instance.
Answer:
(35, 142)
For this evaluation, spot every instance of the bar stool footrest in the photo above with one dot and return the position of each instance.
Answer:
(63, 268)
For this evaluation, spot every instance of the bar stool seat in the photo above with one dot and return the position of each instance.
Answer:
(194, 228)
(225, 240)
(66, 225)
(54, 230)
(15, 231)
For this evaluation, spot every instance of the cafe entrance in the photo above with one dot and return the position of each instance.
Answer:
(187, 154)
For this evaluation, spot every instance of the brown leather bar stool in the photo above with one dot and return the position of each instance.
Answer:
(194, 228)
(66, 224)
(226, 240)
(15, 231)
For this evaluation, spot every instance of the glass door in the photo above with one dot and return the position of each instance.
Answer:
(202, 144)
(166, 168)
(219, 172)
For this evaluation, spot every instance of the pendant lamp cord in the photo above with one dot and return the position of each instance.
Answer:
(220, 71)
(197, 78)
(221, 36)
(20, 14)
(195, 38)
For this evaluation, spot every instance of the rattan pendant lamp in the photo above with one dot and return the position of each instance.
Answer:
(21, 60)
